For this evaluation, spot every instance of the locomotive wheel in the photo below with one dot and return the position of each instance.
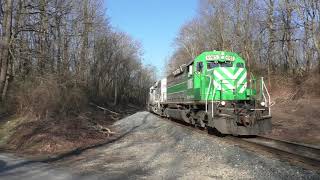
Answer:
(192, 121)
(186, 116)
(214, 131)
(202, 118)
(201, 123)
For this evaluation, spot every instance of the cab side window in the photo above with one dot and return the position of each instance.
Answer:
(199, 66)
(240, 65)
(226, 64)
(211, 65)
(190, 71)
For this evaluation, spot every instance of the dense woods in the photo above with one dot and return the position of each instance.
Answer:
(67, 49)
(275, 37)
(61, 54)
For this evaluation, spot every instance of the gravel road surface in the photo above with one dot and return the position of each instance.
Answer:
(15, 168)
(148, 147)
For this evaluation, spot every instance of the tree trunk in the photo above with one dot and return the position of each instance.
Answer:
(65, 52)
(84, 48)
(115, 93)
(270, 54)
(318, 63)
(42, 38)
(6, 37)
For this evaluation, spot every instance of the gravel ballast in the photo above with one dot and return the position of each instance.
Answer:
(148, 147)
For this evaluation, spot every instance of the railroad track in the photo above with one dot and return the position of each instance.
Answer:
(305, 155)
(302, 150)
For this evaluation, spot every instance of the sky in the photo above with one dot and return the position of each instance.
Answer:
(155, 23)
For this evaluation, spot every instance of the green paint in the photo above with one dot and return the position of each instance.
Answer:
(228, 75)
(177, 88)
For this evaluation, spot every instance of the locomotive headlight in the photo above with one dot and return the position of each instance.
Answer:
(223, 103)
(262, 103)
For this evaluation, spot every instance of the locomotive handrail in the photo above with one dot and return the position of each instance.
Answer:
(264, 89)
(269, 98)
(262, 96)
(213, 95)
(207, 95)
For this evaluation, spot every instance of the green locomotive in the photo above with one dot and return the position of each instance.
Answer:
(215, 91)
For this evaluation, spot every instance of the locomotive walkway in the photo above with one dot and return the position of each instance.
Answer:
(149, 147)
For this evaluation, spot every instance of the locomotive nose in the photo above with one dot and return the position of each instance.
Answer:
(230, 80)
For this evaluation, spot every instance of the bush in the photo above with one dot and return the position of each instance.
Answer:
(47, 96)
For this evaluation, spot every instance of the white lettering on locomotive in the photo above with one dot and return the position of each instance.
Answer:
(215, 57)
(212, 57)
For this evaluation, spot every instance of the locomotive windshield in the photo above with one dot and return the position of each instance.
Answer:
(240, 65)
(213, 64)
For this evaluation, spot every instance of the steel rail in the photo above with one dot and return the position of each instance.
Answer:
(306, 155)
(297, 149)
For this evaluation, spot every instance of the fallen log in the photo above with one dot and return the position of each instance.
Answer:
(103, 130)
(103, 108)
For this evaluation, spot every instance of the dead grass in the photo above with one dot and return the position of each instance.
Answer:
(47, 96)
(286, 88)
(296, 113)
(297, 121)
(7, 126)
(59, 134)
(55, 135)
(51, 115)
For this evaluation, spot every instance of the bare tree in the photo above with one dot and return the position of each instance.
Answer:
(72, 41)
(273, 36)
(6, 39)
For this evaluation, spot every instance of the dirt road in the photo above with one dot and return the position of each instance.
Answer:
(14, 168)
(147, 147)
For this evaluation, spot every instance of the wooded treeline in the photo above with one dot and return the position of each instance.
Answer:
(70, 43)
(274, 36)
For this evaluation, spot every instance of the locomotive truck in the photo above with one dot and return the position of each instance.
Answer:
(214, 91)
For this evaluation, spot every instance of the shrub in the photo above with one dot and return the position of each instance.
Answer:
(46, 96)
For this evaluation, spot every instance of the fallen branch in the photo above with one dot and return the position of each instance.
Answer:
(104, 109)
(114, 117)
(132, 106)
(107, 131)
(103, 129)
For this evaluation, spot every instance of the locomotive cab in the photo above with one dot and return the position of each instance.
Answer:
(222, 77)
